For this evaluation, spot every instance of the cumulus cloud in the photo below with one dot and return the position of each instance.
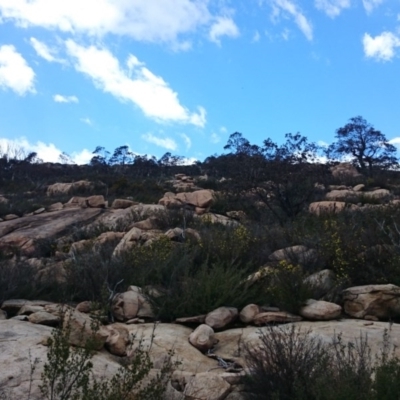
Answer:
(44, 51)
(369, 5)
(47, 152)
(82, 157)
(332, 8)
(395, 141)
(58, 98)
(136, 84)
(289, 7)
(381, 47)
(223, 26)
(144, 20)
(15, 73)
(166, 143)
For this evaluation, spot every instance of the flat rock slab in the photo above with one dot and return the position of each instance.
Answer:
(20, 344)
(232, 342)
(23, 231)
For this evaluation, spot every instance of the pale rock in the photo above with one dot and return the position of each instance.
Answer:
(202, 338)
(327, 207)
(96, 201)
(321, 282)
(379, 194)
(25, 232)
(55, 207)
(206, 386)
(147, 224)
(174, 234)
(341, 195)
(123, 203)
(20, 318)
(118, 339)
(300, 253)
(28, 309)
(43, 318)
(160, 338)
(221, 317)
(233, 378)
(359, 188)
(108, 238)
(248, 313)
(81, 329)
(39, 211)
(76, 201)
(345, 170)
(20, 344)
(129, 241)
(198, 319)
(3, 315)
(212, 218)
(10, 217)
(126, 305)
(80, 247)
(67, 188)
(84, 307)
(200, 211)
(320, 310)
(275, 316)
(200, 198)
(12, 306)
(381, 301)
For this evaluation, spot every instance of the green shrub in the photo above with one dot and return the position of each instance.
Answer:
(68, 375)
(287, 288)
(285, 365)
(293, 364)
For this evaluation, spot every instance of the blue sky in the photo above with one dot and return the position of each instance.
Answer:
(182, 75)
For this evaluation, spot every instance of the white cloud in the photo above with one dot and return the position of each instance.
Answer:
(395, 141)
(188, 161)
(381, 47)
(45, 51)
(223, 129)
(15, 73)
(82, 157)
(143, 20)
(332, 8)
(256, 37)
(166, 143)
(187, 140)
(47, 152)
(58, 98)
(138, 84)
(223, 26)
(289, 7)
(215, 138)
(87, 121)
(369, 5)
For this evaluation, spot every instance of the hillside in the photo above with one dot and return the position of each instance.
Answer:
(211, 251)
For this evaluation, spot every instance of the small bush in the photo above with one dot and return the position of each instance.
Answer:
(293, 364)
(68, 375)
(285, 365)
(287, 288)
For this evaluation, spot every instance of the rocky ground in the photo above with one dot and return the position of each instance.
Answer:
(210, 347)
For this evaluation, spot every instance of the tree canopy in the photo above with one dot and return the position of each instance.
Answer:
(366, 146)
